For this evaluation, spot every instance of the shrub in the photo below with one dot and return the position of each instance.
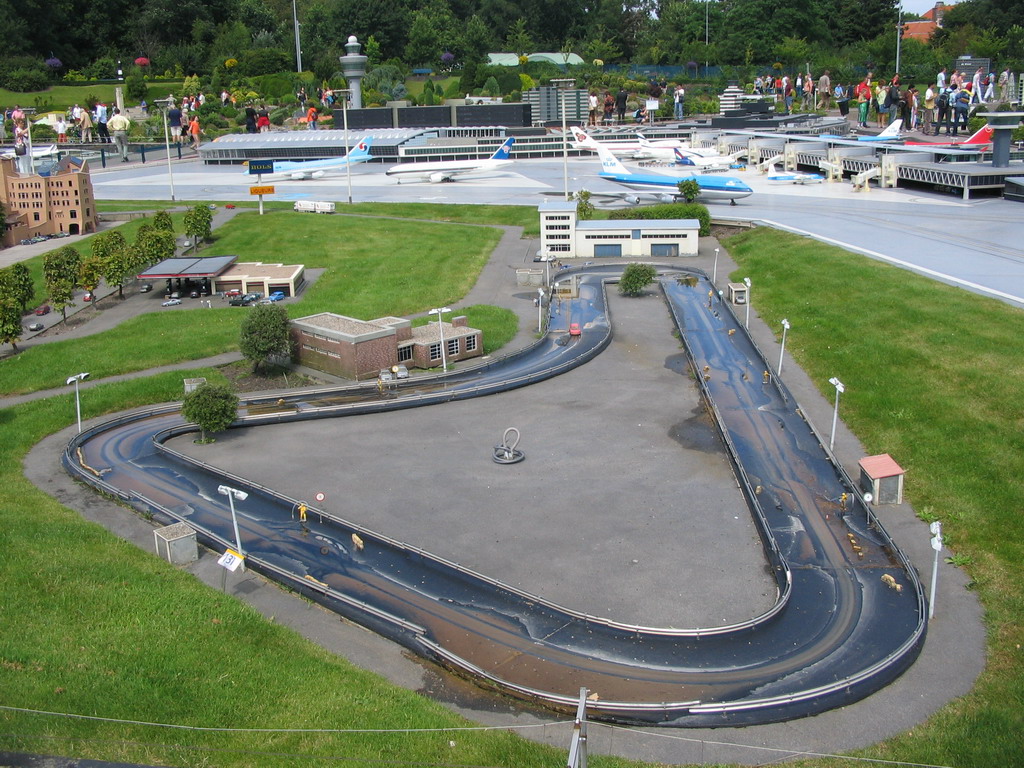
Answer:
(636, 277)
(669, 211)
(26, 80)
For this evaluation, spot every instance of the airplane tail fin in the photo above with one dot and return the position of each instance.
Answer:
(893, 129)
(609, 163)
(583, 139)
(361, 151)
(502, 153)
(683, 159)
(982, 136)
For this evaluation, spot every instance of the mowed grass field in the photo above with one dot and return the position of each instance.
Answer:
(372, 267)
(933, 376)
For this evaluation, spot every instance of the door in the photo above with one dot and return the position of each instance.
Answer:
(608, 251)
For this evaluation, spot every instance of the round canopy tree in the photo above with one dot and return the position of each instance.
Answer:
(212, 407)
(264, 334)
(636, 277)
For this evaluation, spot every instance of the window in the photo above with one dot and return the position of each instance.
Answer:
(453, 347)
(471, 343)
(405, 353)
(74, 214)
(435, 351)
(35, 216)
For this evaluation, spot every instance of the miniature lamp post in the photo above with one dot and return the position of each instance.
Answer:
(440, 328)
(785, 327)
(78, 403)
(835, 411)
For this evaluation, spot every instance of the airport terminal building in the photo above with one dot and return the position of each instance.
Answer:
(563, 236)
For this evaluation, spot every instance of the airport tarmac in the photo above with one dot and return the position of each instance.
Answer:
(975, 244)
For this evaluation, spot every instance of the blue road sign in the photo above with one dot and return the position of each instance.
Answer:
(261, 166)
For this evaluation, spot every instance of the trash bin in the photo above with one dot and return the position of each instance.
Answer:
(844, 107)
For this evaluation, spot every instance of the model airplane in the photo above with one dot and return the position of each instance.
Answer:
(40, 151)
(793, 177)
(640, 148)
(448, 170)
(891, 133)
(687, 157)
(982, 136)
(711, 187)
(298, 170)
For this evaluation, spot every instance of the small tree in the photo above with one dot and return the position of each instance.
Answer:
(16, 283)
(689, 189)
(153, 246)
(211, 407)
(584, 208)
(636, 277)
(10, 322)
(90, 272)
(198, 221)
(60, 273)
(163, 220)
(264, 334)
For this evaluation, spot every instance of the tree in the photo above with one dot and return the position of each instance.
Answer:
(689, 189)
(162, 220)
(109, 247)
(153, 246)
(519, 41)
(16, 283)
(211, 407)
(90, 272)
(265, 334)
(636, 277)
(198, 221)
(60, 273)
(10, 322)
(584, 207)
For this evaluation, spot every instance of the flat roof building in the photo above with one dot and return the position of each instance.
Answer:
(564, 236)
(58, 202)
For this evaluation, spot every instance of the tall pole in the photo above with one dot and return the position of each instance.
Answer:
(936, 529)
(899, 38)
(835, 411)
(714, 272)
(298, 47)
(785, 327)
(562, 85)
(167, 146)
(746, 321)
(231, 493)
(78, 402)
(440, 328)
(707, 27)
(348, 163)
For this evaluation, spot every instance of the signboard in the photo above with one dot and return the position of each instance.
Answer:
(261, 166)
(230, 560)
(261, 190)
(320, 497)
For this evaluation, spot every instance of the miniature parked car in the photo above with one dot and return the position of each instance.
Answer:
(25, 241)
(88, 297)
(574, 329)
(35, 326)
(401, 372)
(232, 293)
(43, 309)
(276, 296)
(386, 375)
(63, 234)
(171, 303)
(194, 295)
(230, 205)
(145, 288)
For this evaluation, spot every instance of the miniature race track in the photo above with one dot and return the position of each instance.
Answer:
(836, 632)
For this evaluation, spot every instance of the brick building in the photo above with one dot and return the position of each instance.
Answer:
(359, 349)
(61, 201)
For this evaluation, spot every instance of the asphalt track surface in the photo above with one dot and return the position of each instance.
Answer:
(836, 633)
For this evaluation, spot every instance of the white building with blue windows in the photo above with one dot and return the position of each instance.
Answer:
(563, 236)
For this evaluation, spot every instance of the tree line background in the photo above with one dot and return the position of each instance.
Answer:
(52, 38)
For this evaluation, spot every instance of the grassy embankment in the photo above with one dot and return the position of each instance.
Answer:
(63, 97)
(933, 376)
(373, 267)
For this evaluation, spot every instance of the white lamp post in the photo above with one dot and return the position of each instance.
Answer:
(344, 116)
(232, 494)
(835, 411)
(714, 271)
(785, 327)
(562, 84)
(540, 310)
(167, 143)
(440, 328)
(936, 529)
(298, 47)
(78, 403)
(746, 321)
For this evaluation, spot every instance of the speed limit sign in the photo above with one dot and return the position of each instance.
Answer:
(320, 497)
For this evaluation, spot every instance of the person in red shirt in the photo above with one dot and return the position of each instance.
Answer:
(862, 95)
(311, 118)
(194, 131)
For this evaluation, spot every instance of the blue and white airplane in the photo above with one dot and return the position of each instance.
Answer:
(704, 162)
(711, 187)
(447, 170)
(298, 170)
(793, 177)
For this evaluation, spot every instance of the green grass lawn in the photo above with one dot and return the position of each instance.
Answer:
(63, 97)
(933, 376)
(373, 267)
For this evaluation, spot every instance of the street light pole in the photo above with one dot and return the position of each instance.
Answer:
(785, 327)
(746, 321)
(936, 529)
(561, 84)
(167, 144)
(440, 328)
(232, 494)
(714, 271)
(540, 310)
(835, 411)
(298, 47)
(348, 165)
(78, 403)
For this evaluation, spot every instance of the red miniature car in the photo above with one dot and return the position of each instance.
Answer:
(574, 329)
